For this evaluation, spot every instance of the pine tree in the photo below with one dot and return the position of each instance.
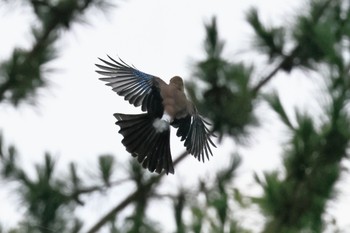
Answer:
(294, 197)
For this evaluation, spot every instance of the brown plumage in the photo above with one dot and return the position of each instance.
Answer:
(147, 135)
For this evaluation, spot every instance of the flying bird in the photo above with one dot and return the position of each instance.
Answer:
(147, 135)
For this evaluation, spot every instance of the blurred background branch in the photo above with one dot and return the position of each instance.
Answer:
(24, 72)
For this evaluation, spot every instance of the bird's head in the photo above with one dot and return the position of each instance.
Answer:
(177, 82)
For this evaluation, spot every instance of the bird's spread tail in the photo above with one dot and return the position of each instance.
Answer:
(144, 141)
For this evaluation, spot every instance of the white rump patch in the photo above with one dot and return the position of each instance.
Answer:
(166, 117)
(160, 125)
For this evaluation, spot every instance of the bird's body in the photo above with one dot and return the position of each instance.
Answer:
(174, 101)
(147, 135)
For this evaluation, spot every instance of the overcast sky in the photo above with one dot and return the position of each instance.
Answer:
(74, 121)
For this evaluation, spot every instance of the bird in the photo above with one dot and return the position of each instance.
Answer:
(146, 136)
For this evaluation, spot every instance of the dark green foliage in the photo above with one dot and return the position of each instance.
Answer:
(198, 219)
(270, 41)
(219, 197)
(216, 213)
(106, 165)
(179, 205)
(44, 196)
(50, 199)
(275, 103)
(24, 72)
(315, 33)
(313, 155)
(312, 166)
(313, 36)
(223, 81)
(7, 157)
(138, 221)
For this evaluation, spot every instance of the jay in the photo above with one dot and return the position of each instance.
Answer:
(147, 135)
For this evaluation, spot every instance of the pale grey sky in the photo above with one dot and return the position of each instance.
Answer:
(74, 118)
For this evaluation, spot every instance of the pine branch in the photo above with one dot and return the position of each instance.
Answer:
(87, 190)
(132, 198)
(22, 73)
(42, 43)
(272, 74)
(286, 62)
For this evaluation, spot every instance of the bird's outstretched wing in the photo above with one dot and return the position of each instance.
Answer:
(194, 131)
(137, 87)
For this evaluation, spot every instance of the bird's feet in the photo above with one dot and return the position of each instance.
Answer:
(160, 125)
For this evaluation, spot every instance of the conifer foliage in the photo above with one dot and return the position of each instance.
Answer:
(294, 197)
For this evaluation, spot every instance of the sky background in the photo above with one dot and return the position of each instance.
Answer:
(73, 119)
